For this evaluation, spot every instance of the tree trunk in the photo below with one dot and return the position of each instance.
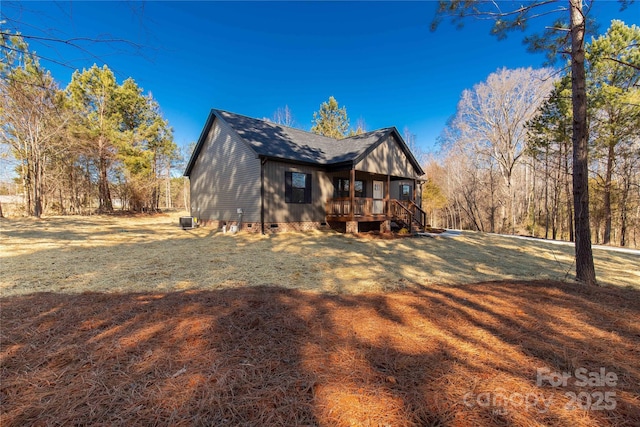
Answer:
(38, 183)
(533, 197)
(567, 189)
(557, 190)
(103, 188)
(26, 187)
(63, 210)
(623, 211)
(585, 270)
(185, 189)
(512, 196)
(492, 212)
(37, 198)
(606, 237)
(546, 192)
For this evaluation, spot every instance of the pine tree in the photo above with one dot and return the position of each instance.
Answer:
(331, 120)
(93, 96)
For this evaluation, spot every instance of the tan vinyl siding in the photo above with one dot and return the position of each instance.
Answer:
(278, 211)
(395, 187)
(387, 159)
(225, 177)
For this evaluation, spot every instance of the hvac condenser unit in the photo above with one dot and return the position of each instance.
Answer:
(187, 222)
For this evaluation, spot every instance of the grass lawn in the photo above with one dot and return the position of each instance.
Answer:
(151, 253)
(133, 321)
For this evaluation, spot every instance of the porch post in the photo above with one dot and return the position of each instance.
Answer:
(387, 196)
(352, 192)
(415, 183)
(263, 161)
(385, 226)
(352, 226)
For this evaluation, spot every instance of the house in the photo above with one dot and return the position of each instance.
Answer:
(266, 177)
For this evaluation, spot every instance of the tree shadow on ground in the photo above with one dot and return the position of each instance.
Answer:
(108, 255)
(273, 356)
(70, 228)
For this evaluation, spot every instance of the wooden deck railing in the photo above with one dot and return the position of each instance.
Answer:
(362, 206)
(401, 212)
(419, 215)
(408, 212)
(367, 208)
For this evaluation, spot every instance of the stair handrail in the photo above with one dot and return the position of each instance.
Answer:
(422, 221)
(406, 218)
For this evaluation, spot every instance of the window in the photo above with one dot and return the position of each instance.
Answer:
(359, 189)
(405, 192)
(341, 188)
(297, 187)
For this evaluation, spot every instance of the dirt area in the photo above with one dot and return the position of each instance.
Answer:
(129, 321)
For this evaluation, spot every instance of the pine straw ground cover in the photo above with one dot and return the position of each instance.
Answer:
(443, 355)
(232, 348)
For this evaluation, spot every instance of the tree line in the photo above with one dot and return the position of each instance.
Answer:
(81, 148)
(506, 158)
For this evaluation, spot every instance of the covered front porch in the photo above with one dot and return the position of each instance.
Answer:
(362, 197)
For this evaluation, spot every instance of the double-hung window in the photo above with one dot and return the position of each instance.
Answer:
(405, 192)
(297, 187)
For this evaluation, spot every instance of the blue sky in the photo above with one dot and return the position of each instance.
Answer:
(379, 59)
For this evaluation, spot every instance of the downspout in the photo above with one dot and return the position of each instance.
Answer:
(263, 161)
(415, 197)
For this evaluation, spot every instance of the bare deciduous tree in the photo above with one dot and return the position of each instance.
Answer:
(491, 119)
(284, 116)
(31, 120)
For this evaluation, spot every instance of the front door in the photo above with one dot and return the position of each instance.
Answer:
(378, 196)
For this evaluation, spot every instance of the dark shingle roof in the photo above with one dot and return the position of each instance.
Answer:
(273, 140)
(276, 141)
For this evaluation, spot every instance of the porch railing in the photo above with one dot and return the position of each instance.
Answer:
(419, 215)
(405, 211)
(408, 212)
(401, 212)
(362, 206)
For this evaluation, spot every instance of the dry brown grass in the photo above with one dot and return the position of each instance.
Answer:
(151, 253)
(132, 321)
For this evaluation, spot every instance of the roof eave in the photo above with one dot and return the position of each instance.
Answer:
(324, 165)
